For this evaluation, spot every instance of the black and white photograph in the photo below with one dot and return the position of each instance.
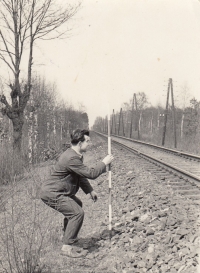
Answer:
(99, 136)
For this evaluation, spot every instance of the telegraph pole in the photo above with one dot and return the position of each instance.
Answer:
(109, 178)
(132, 117)
(173, 115)
(170, 88)
(112, 123)
(137, 127)
(122, 122)
(115, 122)
(166, 114)
(119, 121)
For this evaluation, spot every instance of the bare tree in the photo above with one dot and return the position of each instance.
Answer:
(184, 98)
(142, 100)
(22, 22)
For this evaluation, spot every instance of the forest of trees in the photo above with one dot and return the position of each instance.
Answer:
(48, 122)
(147, 122)
(34, 124)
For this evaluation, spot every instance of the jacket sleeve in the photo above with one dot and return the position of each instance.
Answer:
(76, 165)
(85, 185)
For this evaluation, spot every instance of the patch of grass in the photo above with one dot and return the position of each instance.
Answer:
(27, 228)
(12, 166)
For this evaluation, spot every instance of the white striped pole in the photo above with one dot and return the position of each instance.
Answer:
(109, 176)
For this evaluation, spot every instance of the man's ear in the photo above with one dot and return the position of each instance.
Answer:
(79, 143)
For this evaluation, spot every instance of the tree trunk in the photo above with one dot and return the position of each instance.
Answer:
(54, 128)
(158, 119)
(9, 130)
(30, 135)
(61, 132)
(182, 122)
(17, 132)
(48, 134)
(151, 123)
(139, 124)
(61, 128)
(35, 134)
(198, 119)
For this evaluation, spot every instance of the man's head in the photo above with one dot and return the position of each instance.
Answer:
(80, 139)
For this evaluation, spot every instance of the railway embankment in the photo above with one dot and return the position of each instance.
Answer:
(155, 229)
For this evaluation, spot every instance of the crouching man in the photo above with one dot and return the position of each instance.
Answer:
(60, 188)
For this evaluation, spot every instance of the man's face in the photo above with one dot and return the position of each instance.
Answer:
(84, 144)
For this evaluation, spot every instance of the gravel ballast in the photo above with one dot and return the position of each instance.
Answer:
(154, 229)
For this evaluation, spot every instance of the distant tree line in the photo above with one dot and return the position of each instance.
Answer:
(23, 25)
(146, 122)
(48, 122)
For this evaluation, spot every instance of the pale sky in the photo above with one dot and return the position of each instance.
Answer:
(121, 47)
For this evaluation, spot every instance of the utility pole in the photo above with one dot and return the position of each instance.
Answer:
(137, 121)
(119, 122)
(102, 125)
(170, 88)
(109, 179)
(122, 122)
(121, 117)
(113, 124)
(136, 118)
(132, 117)
(173, 115)
(165, 117)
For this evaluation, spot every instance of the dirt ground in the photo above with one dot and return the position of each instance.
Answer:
(153, 228)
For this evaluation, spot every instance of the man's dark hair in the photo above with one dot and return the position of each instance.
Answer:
(78, 135)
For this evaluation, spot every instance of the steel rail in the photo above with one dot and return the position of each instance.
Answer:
(183, 172)
(197, 178)
(196, 157)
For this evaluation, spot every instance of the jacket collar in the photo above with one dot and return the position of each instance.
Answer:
(80, 155)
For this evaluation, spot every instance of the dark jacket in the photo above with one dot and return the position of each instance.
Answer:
(68, 174)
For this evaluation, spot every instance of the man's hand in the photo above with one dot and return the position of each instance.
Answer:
(93, 196)
(108, 159)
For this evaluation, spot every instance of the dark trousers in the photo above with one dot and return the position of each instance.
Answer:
(71, 208)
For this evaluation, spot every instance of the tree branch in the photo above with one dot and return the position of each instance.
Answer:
(25, 96)
(53, 20)
(23, 28)
(3, 58)
(45, 8)
(3, 50)
(8, 51)
(6, 21)
(10, 43)
(7, 6)
(59, 35)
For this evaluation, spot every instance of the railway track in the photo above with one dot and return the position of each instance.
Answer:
(167, 150)
(179, 170)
